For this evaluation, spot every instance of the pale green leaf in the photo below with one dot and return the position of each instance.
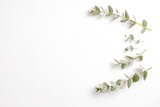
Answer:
(114, 18)
(144, 23)
(129, 83)
(143, 30)
(132, 24)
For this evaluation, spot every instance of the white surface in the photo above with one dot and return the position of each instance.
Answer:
(52, 54)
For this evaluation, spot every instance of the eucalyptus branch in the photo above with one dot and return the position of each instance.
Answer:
(121, 83)
(124, 63)
(130, 39)
(140, 56)
(97, 10)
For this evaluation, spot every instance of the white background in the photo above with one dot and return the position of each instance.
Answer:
(52, 53)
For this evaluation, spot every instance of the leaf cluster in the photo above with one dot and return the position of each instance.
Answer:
(103, 88)
(97, 10)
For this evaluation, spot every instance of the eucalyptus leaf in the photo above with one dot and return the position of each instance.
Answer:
(122, 21)
(132, 24)
(126, 15)
(123, 61)
(118, 82)
(110, 9)
(143, 30)
(127, 76)
(144, 23)
(97, 89)
(141, 58)
(117, 11)
(122, 84)
(130, 57)
(136, 77)
(129, 83)
(96, 10)
(106, 85)
(114, 18)
(113, 88)
(108, 14)
(145, 75)
(103, 90)
(123, 65)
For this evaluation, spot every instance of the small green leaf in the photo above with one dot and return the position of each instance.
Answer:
(114, 18)
(116, 61)
(110, 9)
(97, 89)
(122, 21)
(123, 61)
(117, 11)
(96, 10)
(113, 88)
(131, 37)
(144, 23)
(104, 89)
(106, 85)
(129, 83)
(123, 65)
(143, 30)
(127, 76)
(118, 82)
(145, 75)
(136, 77)
(126, 49)
(132, 24)
(129, 57)
(108, 14)
(134, 18)
(140, 57)
(126, 15)
(122, 84)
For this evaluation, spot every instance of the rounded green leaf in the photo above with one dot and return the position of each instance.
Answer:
(144, 23)
(118, 82)
(136, 77)
(113, 88)
(145, 75)
(106, 85)
(104, 89)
